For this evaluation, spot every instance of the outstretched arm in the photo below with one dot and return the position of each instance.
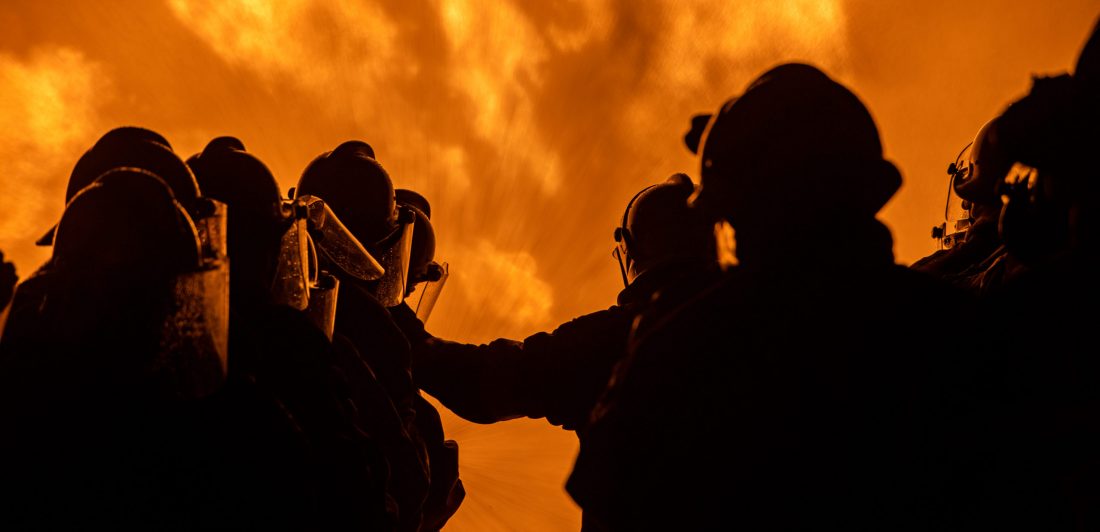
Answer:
(557, 375)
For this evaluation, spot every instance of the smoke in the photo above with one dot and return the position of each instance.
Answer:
(528, 125)
(49, 111)
(498, 111)
(493, 288)
(282, 40)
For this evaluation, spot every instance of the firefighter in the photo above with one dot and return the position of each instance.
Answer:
(973, 257)
(361, 193)
(792, 394)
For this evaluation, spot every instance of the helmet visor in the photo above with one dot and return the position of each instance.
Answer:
(291, 284)
(424, 296)
(341, 249)
(394, 253)
(322, 303)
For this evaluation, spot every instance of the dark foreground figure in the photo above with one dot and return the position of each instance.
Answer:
(423, 482)
(804, 386)
(665, 251)
(128, 401)
(973, 257)
(1040, 425)
(812, 386)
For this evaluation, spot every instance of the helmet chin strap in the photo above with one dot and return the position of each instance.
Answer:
(620, 259)
(628, 263)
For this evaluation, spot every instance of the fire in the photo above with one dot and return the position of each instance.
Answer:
(49, 111)
(528, 125)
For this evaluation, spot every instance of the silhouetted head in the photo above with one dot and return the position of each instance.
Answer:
(126, 221)
(131, 147)
(659, 227)
(1052, 133)
(128, 282)
(134, 147)
(797, 149)
(982, 169)
(228, 173)
(414, 199)
(357, 189)
(134, 133)
(361, 194)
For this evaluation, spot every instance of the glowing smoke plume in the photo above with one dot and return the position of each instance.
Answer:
(527, 124)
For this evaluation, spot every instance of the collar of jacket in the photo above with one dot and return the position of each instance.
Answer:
(838, 245)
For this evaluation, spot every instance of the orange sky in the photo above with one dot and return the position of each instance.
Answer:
(529, 125)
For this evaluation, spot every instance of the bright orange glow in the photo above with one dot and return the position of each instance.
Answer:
(527, 124)
(48, 111)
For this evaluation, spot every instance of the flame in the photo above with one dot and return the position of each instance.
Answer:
(277, 39)
(529, 125)
(508, 286)
(497, 71)
(48, 112)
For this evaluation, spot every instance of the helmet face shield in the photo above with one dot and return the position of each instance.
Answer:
(424, 295)
(292, 273)
(210, 284)
(957, 215)
(965, 168)
(312, 229)
(322, 303)
(212, 224)
(196, 331)
(337, 244)
(957, 220)
(396, 249)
